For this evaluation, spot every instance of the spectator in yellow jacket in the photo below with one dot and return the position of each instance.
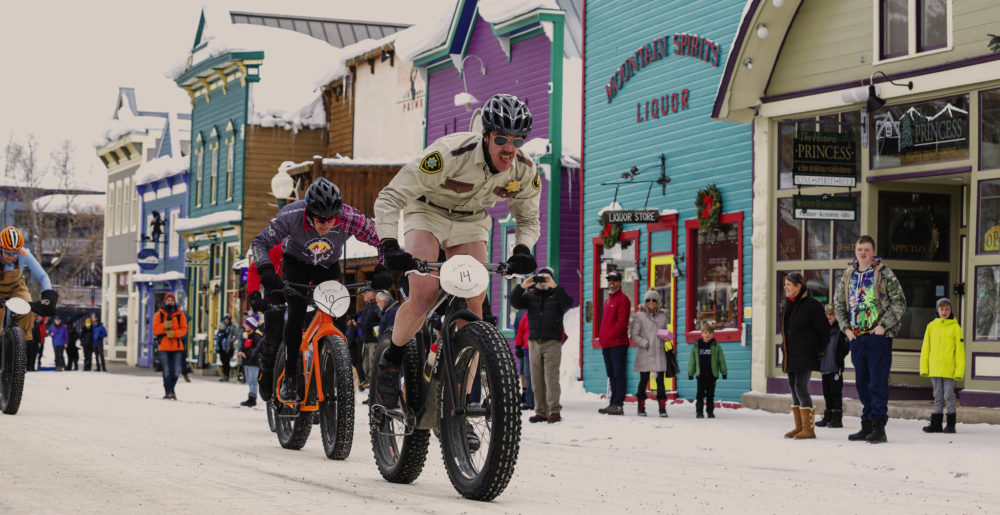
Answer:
(942, 358)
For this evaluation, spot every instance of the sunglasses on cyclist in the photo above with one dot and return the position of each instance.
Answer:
(502, 140)
(9, 253)
(325, 219)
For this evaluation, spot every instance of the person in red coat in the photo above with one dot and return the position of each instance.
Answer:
(273, 321)
(613, 338)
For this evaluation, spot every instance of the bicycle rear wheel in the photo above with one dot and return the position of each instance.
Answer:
(292, 425)
(336, 412)
(480, 448)
(13, 362)
(400, 457)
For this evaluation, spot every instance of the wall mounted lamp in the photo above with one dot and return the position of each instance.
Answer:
(874, 102)
(465, 98)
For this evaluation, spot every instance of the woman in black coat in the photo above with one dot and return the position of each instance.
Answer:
(804, 332)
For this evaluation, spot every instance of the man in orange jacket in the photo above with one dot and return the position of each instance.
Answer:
(169, 328)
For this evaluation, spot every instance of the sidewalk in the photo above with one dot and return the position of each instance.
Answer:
(914, 410)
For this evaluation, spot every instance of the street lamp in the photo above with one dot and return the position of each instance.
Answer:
(282, 184)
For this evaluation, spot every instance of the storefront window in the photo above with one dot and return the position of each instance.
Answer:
(989, 130)
(914, 226)
(818, 284)
(817, 239)
(845, 123)
(845, 234)
(716, 259)
(987, 303)
(988, 239)
(789, 232)
(922, 289)
(921, 133)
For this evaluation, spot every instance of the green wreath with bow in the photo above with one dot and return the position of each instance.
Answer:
(709, 205)
(610, 234)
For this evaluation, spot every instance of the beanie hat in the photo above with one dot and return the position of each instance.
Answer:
(943, 300)
(169, 296)
(546, 270)
(251, 321)
(651, 295)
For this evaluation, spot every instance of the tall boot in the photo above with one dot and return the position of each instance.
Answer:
(866, 429)
(806, 417)
(950, 427)
(826, 419)
(878, 431)
(663, 407)
(642, 407)
(836, 418)
(935, 425)
(798, 423)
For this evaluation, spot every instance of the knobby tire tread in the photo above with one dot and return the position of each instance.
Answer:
(10, 401)
(295, 437)
(341, 375)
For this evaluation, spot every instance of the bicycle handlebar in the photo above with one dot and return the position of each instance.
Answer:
(426, 267)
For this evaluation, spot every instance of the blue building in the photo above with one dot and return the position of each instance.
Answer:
(162, 187)
(651, 152)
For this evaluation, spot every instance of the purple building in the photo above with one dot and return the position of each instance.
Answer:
(491, 48)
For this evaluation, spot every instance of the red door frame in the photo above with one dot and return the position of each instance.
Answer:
(691, 332)
(598, 246)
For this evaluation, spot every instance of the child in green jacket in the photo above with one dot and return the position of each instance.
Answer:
(942, 358)
(706, 363)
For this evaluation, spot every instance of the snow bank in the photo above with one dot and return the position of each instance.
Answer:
(160, 168)
(222, 217)
(498, 11)
(77, 204)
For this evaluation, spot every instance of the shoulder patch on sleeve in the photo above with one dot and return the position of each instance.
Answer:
(537, 181)
(525, 160)
(432, 163)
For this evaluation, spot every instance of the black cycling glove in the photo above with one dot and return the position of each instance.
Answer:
(395, 258)
(382, 278)
(46, 307)
(269, 278)
(521, 261)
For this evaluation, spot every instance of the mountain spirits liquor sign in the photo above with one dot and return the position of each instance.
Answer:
(824, 159)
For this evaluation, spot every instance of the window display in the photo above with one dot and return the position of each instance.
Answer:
(988, 238)
(716, 259)
(987, 303)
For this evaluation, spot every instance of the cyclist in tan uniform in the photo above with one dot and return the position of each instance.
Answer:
(443, 197)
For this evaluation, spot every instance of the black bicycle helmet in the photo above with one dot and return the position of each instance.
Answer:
(323, 198)
(506, 114)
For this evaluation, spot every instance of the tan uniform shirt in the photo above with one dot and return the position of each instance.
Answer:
(453, 174)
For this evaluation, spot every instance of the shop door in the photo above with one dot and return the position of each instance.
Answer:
(919, 238)
(661, 278)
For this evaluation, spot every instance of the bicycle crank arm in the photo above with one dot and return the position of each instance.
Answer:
(379, 415)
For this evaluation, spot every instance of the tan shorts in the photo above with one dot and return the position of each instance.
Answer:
(450, 230)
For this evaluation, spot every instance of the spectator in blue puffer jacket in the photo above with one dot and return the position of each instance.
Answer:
(60, 335)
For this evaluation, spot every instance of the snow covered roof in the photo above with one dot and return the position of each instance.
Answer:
(202, 222)
(411, 43)
(127, 118)
(347, 161)
(498, 11)
(154, 278)
(286, 95)
(73, 204)
(161, 168)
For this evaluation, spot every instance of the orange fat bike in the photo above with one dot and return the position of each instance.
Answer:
(326, 368)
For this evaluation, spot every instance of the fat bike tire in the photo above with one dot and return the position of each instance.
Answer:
(480, 352)
(336, 412)
(14, 363)
(399, 458)
(292, 425)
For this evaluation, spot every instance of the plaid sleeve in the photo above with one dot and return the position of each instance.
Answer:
(361, 227)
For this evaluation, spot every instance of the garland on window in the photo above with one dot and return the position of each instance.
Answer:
(709, 205)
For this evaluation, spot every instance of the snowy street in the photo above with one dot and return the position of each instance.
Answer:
(92, 442)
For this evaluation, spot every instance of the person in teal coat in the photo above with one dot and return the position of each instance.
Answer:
(942, 358)
(706, 363)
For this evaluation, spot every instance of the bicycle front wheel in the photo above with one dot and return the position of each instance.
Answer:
(14, 362)
(292, 425)
(480, 448)
(336, 412)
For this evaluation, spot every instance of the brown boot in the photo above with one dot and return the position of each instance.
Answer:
(808, 431)
(798, 423)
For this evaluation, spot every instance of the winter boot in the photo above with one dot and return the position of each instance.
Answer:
(604, 410)
(250, 402)
(826, 419)
(798, 423)
(616, 410)
(806, 418)
(836, 418)
(663, 407)
(950, 427)
(642, 408)
(878, 431)
(866, 429)
(935, 425)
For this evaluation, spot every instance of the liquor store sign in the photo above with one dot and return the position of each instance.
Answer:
(644, 216)
(824, 159)
(824, 207)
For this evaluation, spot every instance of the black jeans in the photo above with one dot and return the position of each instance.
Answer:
(296, 271)
(72, 357)
(661, 389)
(798, 383)
(99, 364)
(706, 394)
(224, 357)
(60, 364)
(833, 391)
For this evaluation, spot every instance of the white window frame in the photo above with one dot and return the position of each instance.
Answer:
(911, 32)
